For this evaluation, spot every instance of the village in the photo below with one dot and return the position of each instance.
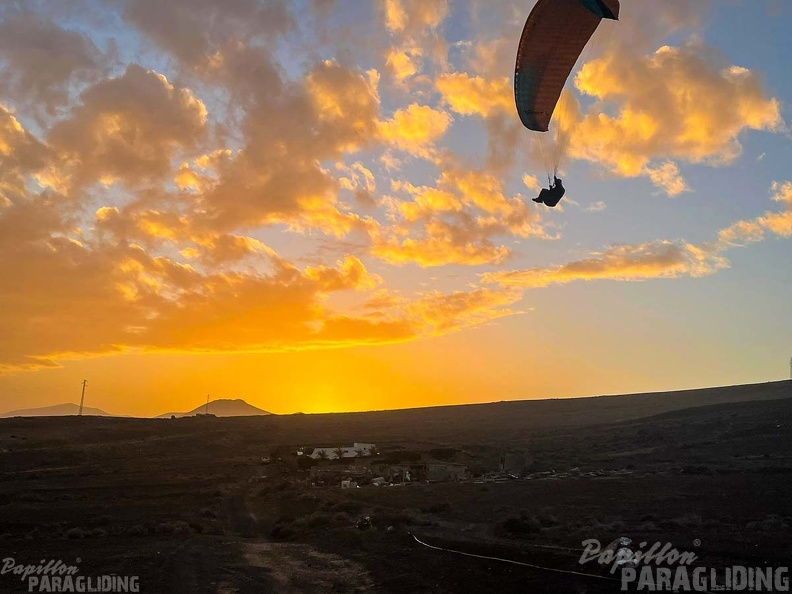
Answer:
(363, 465)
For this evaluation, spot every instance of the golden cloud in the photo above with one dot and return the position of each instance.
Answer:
(40, 60)
(659, 259)
(411, 17)
(403, 63)
(415, 129)
(344, 99)
(193, 30)
(414, 38)
(122, 298)
(683, 103)
(20, 155)
(19, 150)
(474, 95)
(440, 313)
(425, 201)
(127, 128)
(441, 246)
(349, 273)
(454, 222)
(751, 231)
(191, 182)
(277, 176)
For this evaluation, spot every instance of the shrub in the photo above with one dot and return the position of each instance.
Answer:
(137, 530)
(523, 524)
(771, 523)
(393, 519)
(689, 520)
(281, 532)
(75, 533)
(182, 528)
(547, 519)
(442, 453)
(437, 508)
(648, 527)
(317, 520)
(177, 527)
(351, 507)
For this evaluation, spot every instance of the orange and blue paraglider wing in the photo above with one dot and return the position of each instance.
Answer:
(552, 40)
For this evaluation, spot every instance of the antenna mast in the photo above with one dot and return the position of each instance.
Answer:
(82, 398)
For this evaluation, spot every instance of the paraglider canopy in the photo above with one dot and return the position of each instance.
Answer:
(552, 40)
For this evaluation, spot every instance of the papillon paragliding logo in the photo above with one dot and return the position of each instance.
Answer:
(620, 554)
(55, 575)
(663, 568)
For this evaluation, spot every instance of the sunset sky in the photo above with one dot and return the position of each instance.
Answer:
(324, 205)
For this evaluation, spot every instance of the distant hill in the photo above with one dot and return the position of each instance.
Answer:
(221, 408)
(58, 410)
(509, 421)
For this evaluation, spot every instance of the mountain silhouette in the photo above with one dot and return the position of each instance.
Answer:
(58, 410)
(221, 408)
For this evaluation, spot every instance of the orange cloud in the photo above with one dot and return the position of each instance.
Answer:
(659, 259)
(415, 42)
(345, 101)
(415, 129)
(439, 313)
(454, 222)
(684, 103)
(403, 63)
(413, 16)
(93, 298)
(98, 299)
(127, 128)
(40, 59)
(473, 95)
(444, 244)
(331, 112)
(751, 231)
(349, 273)
(192, 183)
(193, 30)
(21, 154)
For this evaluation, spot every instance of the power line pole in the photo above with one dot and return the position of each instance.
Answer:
(82, 398)
(790, 368)
(206, 411)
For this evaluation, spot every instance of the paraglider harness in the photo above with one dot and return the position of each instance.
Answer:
(550, 197)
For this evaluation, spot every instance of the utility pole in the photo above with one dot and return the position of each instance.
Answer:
(790, 368)
(207, 405)
(82, 398)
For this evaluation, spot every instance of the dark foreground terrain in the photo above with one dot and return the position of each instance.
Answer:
(187, 505)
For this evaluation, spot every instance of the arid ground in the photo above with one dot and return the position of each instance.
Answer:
(187, 505)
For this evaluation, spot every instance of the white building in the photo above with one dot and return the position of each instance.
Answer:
(356, 450)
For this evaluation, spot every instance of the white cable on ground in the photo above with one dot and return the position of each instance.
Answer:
(588, 575)
(580, 573)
